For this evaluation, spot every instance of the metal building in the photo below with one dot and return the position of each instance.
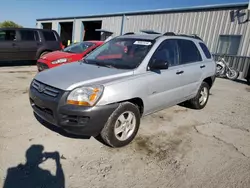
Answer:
(225, 28)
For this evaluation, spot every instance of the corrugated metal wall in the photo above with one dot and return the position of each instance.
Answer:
(207, 24)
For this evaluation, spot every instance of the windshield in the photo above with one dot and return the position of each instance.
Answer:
(78, 48)
(121, 53)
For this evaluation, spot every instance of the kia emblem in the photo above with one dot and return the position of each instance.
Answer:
(41, 88)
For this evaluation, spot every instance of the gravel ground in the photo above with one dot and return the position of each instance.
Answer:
(176, 147)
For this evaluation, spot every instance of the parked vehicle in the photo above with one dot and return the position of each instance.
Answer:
(224, 70)
(27, 43)
(72, 53)
(108, 92)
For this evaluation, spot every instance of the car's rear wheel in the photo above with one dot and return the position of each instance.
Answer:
(200, 100)
(122, 126)
(248, 81)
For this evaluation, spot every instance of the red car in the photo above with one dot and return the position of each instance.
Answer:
(69, 54)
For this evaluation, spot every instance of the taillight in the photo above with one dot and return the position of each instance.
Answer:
(62, 46)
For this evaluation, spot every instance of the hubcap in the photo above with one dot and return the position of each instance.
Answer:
(203, 96)
(125, 125)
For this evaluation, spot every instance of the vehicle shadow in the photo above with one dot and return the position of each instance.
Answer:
(240, 81)
(58, 130)
(30, 175)
(66, 134)
(16, 63)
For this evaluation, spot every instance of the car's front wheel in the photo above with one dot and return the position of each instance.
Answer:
(122, 126)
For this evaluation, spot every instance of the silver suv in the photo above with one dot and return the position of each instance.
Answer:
(130, 76)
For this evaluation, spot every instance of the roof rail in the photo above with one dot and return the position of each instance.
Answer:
(149, 32)
(190, 36)
(129, 33)
(169, 34)
(196, 36)
(182, 35)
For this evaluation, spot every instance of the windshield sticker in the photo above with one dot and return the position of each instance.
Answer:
(145, 43)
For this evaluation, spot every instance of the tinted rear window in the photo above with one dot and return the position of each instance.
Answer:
(205, 50)
(27, 35)
(49, 36)
(188, 52)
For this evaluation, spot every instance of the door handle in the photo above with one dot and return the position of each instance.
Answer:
(179, 72)
(202, 66)
(13, 44)
(39, 44)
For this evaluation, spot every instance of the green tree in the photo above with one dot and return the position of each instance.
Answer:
(9, 24)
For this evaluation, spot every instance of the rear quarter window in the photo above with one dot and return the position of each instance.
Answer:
(205, 50)
(49, 36)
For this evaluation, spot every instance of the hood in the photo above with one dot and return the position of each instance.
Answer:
(70, 76)
(57, 55)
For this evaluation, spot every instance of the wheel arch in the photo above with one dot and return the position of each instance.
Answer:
(209, 81)
(136, 101)
(41, 51)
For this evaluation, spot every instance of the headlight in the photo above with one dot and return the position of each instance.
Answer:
(64, 60)
(85, 96)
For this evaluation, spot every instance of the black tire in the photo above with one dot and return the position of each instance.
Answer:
(108, 134)
(235, 74)
(194, 103)
(43, 53)
(248, 81)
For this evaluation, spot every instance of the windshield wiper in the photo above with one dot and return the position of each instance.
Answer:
(97, 63)
(68, 51)
(84, 61)
(104, 65)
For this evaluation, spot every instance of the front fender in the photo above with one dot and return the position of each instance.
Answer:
(127, 89)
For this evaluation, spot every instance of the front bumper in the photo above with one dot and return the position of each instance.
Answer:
(78, 120)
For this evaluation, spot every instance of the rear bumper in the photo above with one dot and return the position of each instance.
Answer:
(78, 120)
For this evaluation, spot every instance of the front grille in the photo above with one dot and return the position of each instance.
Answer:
(43, 88)
(42, 66)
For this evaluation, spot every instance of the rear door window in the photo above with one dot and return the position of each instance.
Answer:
(188, 52)
(7, 35)
(205, 50)
(49, 36)
(27, 35)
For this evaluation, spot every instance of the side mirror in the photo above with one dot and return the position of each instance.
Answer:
(159, 65)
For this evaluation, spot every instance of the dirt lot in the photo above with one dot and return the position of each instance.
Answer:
(177, 147)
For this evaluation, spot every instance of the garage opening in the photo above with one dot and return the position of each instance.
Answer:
(66, 32)
(90, 32)
(47, 25)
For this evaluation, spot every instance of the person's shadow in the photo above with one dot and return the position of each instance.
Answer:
(30, 175)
